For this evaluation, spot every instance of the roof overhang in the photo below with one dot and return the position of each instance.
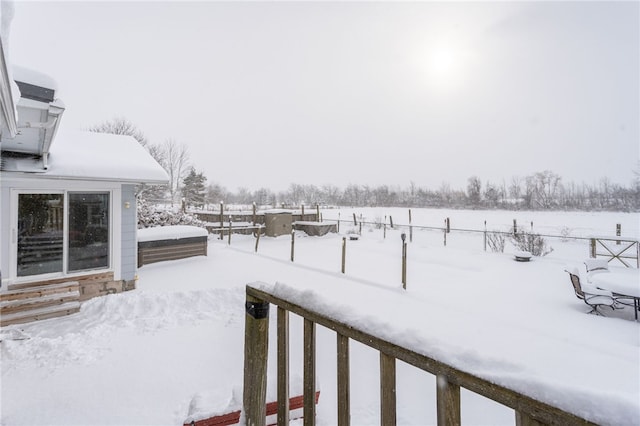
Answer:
(39, 115)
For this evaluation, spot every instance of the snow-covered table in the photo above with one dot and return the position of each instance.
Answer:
(623, 282)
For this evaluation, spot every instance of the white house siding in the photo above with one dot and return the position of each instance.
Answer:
(12, 184)
(128, 238)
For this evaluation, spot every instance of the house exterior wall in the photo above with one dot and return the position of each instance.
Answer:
(129, 250)
(13, 183)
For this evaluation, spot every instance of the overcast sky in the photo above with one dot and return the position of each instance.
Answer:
(268, 94)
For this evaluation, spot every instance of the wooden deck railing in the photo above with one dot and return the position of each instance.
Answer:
(529, 411)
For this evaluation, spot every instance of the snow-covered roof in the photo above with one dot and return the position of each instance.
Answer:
(93, 156)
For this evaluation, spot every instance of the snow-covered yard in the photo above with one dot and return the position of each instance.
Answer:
(139, 358)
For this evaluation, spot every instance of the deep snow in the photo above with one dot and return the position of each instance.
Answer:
(141, 357)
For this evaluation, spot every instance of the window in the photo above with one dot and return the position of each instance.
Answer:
(63, 232)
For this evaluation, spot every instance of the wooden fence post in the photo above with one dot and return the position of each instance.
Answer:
(258, 238)
(355, 222)
(448, 402)
(618, 232)
(387, 390)
(256, 345)
(318, 218)
(253, 217)
(410, 228)
(283, 367)
(221, 220)
(445, 235)
(592, 247)
(293, 242)
(344, 398)
(229, 230)
(391, 221)
(344, 252)
(515, 227)
(485, 235)
(302, 216)
(338, 222)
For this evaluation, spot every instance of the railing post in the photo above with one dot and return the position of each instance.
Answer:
(592, 247)
(283, 367)
(309, 374)
(344, 378)
(387, 390)
(448, 402)
(293, 242)
(258, 238)
(256, 345)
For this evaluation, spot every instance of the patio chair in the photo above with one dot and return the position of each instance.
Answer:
(592, 296)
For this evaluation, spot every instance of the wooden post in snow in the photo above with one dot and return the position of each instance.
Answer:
(318, 218)
(256, 344)
(344, 253)
(221, 220)
(410, 228)
(485, 235)
(253, 216)
(293, 241)
(618, 232)
(258, 238)
(229, 229)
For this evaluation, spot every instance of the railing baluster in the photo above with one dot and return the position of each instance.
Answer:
(448, 402)
(344, 379)
(256, 345)
(309, 373)
(283, 367)
(387, 390)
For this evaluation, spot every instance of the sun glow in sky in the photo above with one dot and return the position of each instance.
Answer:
(456, 89)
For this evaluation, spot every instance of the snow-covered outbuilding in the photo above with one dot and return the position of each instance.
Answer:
(68, 204)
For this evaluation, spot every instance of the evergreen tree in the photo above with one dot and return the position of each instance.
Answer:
(193, 189)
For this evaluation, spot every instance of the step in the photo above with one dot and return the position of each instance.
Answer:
(39, 302)
(40, 290)
(17, 305)
(40, 313)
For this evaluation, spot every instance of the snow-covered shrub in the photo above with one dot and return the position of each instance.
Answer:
(149, 216)
(496, 241)
(565, 232)
(533, 243)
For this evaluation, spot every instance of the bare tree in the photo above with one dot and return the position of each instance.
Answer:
(120, 126)
(474, 190)
(176, 165)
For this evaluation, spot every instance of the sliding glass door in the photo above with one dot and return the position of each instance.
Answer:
(63, 232)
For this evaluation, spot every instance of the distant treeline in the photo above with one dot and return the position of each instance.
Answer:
(539, 191)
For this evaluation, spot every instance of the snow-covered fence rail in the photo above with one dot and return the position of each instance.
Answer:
(529, 411)
(630, 249)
